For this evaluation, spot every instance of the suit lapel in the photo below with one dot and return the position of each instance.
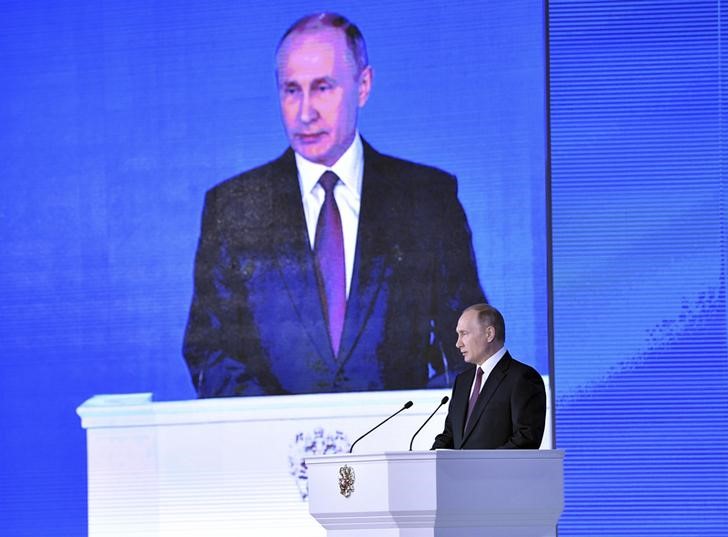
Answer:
(371, 258)
(486, 394)
(293, 254)
(460, 406)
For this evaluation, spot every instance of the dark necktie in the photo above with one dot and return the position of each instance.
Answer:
(330, 267)
(475, 394)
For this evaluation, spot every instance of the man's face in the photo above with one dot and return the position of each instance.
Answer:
(476, 342)
(320, 93)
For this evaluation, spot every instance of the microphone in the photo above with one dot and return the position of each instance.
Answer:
(405, 407)
(444, 400)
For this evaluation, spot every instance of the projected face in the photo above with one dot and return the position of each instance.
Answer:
(320, 93)
(476, 342)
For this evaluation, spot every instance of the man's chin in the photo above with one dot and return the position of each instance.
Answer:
(311, 152)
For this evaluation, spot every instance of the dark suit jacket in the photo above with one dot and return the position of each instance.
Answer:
(256, 324)
(509, 413)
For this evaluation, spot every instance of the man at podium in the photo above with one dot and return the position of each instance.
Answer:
(498, 404)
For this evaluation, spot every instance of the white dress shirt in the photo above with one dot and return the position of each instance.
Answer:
(488, 366)
(347, 192)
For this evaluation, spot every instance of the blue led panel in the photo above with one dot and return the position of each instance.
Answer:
(639, 265)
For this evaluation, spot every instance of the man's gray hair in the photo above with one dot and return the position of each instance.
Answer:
(354, 38)
(489, 316)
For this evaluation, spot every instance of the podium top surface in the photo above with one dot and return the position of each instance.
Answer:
(440, 454)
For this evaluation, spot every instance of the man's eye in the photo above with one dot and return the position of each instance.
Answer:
(323, 87)
(290, 90)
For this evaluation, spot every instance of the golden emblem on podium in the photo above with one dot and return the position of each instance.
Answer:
(346, 480)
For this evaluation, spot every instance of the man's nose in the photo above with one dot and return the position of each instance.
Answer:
(308, 112)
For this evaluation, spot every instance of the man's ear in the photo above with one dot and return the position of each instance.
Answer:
(490, 333)
(365, 85)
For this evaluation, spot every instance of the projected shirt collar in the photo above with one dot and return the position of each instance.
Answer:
(349, 168)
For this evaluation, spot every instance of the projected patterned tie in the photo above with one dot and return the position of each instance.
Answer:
(330, 268)
(475, 394)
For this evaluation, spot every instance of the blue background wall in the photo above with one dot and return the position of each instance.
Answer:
(117, 116)
(639, 265)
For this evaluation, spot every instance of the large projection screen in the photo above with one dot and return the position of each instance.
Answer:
(119, 116)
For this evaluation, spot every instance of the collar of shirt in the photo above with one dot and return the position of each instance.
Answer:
(489, 365)
(349, 168)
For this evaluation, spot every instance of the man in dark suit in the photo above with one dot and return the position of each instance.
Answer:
(334, 267)
(498, 404)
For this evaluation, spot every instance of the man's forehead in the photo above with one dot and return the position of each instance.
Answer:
(307, 41)
(470, 319)
(312, 48)
(464, 320)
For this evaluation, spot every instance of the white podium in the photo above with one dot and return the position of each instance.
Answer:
(230, 467)
(444, 493)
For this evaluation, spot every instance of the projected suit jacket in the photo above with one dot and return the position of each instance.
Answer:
(256, 325)
(510, 411)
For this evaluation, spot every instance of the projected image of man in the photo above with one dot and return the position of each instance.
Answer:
(334, 267)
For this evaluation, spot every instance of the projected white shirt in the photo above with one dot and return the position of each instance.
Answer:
(350, 169)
